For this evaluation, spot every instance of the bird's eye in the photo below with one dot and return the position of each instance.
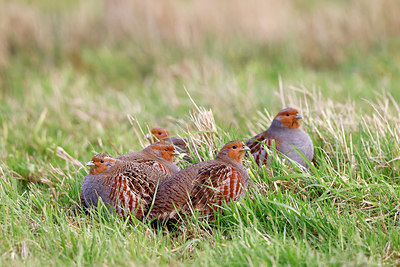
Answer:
(101, 161)
(166, 149)
(287, 114)
(159, 133)
(234, 147)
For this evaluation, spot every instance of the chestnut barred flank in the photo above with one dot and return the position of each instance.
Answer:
(204, 186)
(123, 186)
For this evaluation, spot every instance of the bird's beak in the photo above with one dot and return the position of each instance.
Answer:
(245, 148)
(175, 153)
(147, 136)
(299, 116)
(90, 163)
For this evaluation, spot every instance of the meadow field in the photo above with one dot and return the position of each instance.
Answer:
(81, 77)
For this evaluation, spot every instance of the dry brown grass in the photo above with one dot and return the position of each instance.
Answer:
(332, 29)
(22, 27)
(322, 32)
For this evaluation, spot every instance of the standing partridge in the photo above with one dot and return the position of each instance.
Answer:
(160, 155)
(285, 131)
(203, 186)
(182, 144)
(124, 187)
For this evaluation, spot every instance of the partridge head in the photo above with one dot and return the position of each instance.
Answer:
(100, 163)
(288, 118)
(162, 150)
(233, 151)
(160, 133)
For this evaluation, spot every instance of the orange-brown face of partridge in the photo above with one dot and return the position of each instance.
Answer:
(100, 163)
(160, 133)
(236, 150)
(166, 150)
(290, 118)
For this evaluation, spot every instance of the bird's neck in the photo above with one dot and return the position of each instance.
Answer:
(235, 165)
(149, 153)
(152, 156)
(118, 166)
(277, 126)
(224, 158)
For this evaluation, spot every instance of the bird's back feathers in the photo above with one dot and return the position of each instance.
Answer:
(126, 187)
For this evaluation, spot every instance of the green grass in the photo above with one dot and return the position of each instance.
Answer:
(57, 110)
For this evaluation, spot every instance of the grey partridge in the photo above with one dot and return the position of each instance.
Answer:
(286, 133)
(124, 187)
(203, 186)
(159, 154)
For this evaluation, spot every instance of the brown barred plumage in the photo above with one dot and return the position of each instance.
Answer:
(203, 187)
(213, 185)
(124, 187)
(132, 191)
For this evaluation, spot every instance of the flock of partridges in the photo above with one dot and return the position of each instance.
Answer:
(148, 184)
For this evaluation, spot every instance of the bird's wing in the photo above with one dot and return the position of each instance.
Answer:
(214, 184)
(257, 146)
(132, 191)
(137, 157)
(152, 163)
